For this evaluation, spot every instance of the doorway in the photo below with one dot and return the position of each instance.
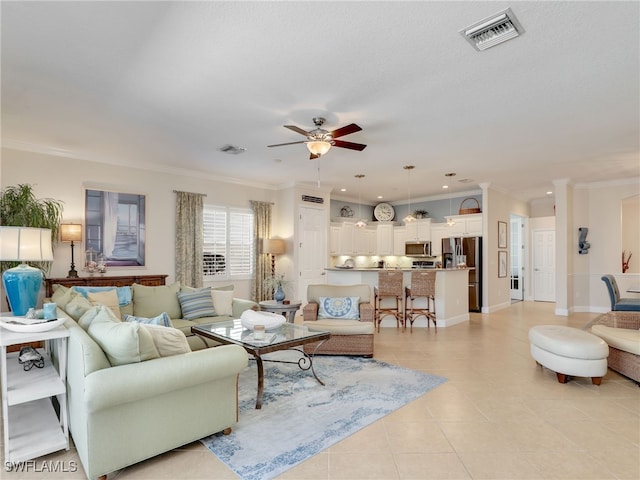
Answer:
(544, 265)
(517, 248)
(313, 240)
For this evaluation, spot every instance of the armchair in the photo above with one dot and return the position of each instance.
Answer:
(348, 337)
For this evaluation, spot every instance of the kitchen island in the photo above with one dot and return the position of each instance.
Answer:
(452, 292)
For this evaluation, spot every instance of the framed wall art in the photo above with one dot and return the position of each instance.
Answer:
(502, 264)
(115, 227)
(502, 234)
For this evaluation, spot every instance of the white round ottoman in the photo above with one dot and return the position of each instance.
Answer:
(569, 351)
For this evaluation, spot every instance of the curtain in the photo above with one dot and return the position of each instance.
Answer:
(110, 224)
(262, 229)
(189, 216)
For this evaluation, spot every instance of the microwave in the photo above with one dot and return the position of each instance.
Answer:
(417, 249)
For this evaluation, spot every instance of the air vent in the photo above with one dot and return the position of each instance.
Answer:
(309, 198)
(494, 30)
(232, 149)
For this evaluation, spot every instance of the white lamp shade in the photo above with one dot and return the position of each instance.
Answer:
(25, 244)
(70, 232)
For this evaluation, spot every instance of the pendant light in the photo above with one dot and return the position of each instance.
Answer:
(450, 221)
(409, 218)
(360, 223)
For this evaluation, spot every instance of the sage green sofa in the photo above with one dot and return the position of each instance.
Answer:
(124, 413)
(151, 301)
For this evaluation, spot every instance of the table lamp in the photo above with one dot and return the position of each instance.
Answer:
(22, 283)
(71, 232)
(273, 246)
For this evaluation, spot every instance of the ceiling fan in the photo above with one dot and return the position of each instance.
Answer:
(319, 140)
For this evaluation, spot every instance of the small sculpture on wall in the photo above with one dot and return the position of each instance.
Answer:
(625, 261)
(583, 245)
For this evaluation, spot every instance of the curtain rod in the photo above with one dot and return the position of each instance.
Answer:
(193, 193)
(260, 201)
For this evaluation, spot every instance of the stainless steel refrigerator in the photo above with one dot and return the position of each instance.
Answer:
(454, 250)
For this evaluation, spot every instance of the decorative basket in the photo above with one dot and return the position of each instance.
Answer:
(468, 211)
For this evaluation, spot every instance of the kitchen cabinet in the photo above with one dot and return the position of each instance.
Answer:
(398, 240)
(418, 230)
(466, 225)
(365, 240)
(438, 232)
(347, 239)
(334, 239)
(385, 239)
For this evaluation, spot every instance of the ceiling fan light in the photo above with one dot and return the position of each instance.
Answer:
(318, 147)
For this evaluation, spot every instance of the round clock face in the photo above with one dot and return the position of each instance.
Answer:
(384, 212)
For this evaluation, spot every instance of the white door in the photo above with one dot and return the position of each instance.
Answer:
(312, 249)
(544, 265)
(517, 258)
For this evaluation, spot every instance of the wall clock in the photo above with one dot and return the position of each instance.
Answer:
(384, 212)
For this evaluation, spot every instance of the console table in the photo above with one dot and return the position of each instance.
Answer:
(105, 281)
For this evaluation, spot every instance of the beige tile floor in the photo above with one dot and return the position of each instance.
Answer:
(498, 417)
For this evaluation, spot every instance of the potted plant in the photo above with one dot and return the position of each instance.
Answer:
(420, 213)
(276, 284)
(19, 207)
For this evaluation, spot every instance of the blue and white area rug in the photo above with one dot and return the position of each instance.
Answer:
(300, 418)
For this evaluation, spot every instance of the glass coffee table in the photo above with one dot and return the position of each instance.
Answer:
(285, 337)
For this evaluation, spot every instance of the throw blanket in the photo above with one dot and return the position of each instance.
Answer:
(250, 318)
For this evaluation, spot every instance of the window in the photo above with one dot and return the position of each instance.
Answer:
(228, 244)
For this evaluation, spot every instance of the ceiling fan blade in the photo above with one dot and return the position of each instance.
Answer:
(349, 145)
(282, 144)
(297, 130)
(346, 130)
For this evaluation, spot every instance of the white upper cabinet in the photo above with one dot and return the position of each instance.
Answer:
(466, 225)
(418, 230)
(398, 240)
(385, 239)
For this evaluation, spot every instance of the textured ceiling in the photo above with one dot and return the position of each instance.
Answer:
(167, 84)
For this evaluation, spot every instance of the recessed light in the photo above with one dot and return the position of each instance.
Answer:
(343, 189)
(445, 186)
(549, 193)
(380, 197)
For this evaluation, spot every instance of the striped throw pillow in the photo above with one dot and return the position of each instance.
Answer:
(196, 304)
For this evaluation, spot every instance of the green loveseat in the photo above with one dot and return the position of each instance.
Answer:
(123, 414)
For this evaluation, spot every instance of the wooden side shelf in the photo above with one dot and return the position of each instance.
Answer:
(106, 281)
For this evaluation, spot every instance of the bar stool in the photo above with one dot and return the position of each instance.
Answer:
(423, 285)
(389, 287)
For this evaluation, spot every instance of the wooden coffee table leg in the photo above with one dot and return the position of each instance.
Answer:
(260, 381)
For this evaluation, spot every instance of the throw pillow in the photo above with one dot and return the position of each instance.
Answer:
(123, 293)
(339, 307)
(108, 298)
(223, 302)
(152, 301)
(85, 320)
(162, 320)
(77, 306)
(168, 341)
(62, 295)
(196, 304)
(122, 342)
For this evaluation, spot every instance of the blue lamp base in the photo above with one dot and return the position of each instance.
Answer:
(22, 286)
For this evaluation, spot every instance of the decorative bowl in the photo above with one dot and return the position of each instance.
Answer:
(29, 326)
